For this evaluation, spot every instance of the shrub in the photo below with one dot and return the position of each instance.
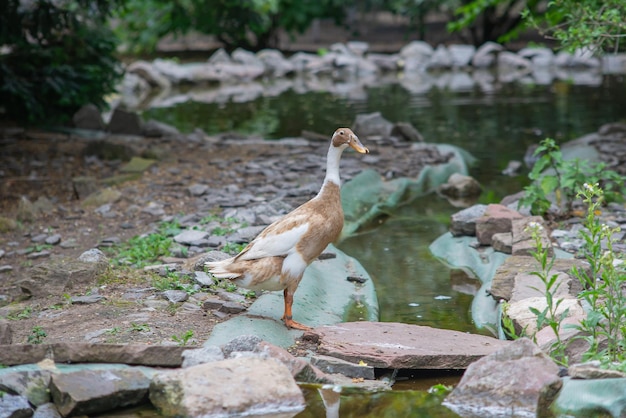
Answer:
(56, 57)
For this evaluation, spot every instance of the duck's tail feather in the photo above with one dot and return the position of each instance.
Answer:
(219, 269)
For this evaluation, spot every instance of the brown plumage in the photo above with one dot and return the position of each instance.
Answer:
(277, 257)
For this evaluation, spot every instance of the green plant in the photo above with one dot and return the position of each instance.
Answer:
(113, 331)
(233, 248)
(553, 176)
(23, 314)
(183, 338)
(139, 251)
(549, 315)
(139, 327)
(603, 285)
(172, 281)
(59, 56)
(37, 335)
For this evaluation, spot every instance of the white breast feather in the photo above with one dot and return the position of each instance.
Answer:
(274, 245)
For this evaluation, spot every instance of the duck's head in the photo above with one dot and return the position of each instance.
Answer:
(345, 137)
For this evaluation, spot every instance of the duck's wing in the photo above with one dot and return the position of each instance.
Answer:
(279, 239)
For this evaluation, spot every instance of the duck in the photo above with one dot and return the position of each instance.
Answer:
(276, 259)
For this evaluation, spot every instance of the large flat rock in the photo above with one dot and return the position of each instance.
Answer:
(403, 346)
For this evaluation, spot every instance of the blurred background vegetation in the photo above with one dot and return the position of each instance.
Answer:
(57, 55)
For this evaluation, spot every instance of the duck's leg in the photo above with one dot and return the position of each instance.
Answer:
(287, 317)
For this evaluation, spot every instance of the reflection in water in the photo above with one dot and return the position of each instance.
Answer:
(412, 286)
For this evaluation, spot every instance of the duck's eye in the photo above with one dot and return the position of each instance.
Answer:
(341, 132)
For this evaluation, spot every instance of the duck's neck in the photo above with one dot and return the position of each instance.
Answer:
(332, 166)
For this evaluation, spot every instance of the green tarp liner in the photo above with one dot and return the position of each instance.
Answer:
(591, 398)
(368, 196)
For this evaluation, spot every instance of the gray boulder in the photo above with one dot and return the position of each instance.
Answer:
(88, 117)
(239, 386)
(517, 380)
(372, 124)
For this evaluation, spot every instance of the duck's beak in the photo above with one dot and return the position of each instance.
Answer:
(357, 146)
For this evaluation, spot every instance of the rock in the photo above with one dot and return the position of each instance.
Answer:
(32, 384)
(593, 370)
(88, 117)
(511, 59)
(87, 300)
(7, 224)
(241, 343)
(53, 239)
(461, 55)
(513, 168)
(137, 165)
(496, 219)
(415, 55)
(523, 241)
(440, 58)
(485, 55)
(539, 56)
(334, 365)
(175, 296)
(191, 237)
(525, 321)
(93, 255)
(511, 381)
(220, 56)
(26, 211)
(6, 333)
(203, 278)
(12, 406)
(459, 185)
(246, 234)
(173, 71)
(358, 48)
(406, 131)
(502, 242)
(400, 346)
(513, 280)
(464, 221)
(154, 128)
(38, 254)
(147, 71)
(372, 124)
(301, 370)
(275, 62)
(57, 277)
(205, 354)
(241, 386)
(75, 393)
(139, 354)
(48, 410)
(385, 62)
(197, 189)
(102, 197)
(232, 307)
(124, 122)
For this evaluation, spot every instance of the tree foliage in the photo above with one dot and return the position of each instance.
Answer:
(591, 24)
(250, 24)
(588, 24)
(56, 56)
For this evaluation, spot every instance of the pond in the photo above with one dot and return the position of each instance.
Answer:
(495, 126)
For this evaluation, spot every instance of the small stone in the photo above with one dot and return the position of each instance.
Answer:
(38, 254)
(154, 209)
(206, 354)
(87, 300)
(39, 238)
(190, 237)
(203, 278)
(69, 243)
(198, 189)
(93, 255)
(175, 296)
(53, 239)
(6, 268)
(232, 308)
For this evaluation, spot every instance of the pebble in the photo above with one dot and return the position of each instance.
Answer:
(69, 243)
(38, 254)
(175, 296)
(87, 300)
(5, 268)
(53, 239)
(203, 278)
(93, 255)
(2, 253)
